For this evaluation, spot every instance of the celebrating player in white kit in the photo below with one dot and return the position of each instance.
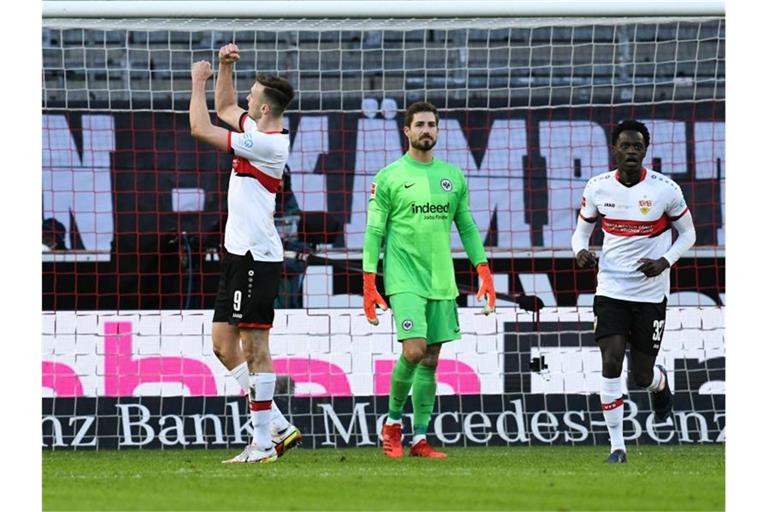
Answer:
(253, 261)
(636, 208)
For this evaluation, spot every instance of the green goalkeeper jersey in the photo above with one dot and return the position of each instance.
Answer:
(412, 206)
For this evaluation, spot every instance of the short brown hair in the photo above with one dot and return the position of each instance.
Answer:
(278, 92)
(420, 106)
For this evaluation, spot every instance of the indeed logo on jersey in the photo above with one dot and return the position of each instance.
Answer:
(429, 208)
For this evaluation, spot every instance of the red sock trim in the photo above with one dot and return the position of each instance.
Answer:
(613, 405)
(260, 406)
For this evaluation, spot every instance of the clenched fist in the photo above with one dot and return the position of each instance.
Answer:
(651, 267)
(586, 259)
(201, 71)
(229, 54)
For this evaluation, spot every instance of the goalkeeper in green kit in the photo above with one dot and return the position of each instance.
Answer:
(413, 203)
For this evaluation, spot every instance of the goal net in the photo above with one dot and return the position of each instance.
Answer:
(133, 211)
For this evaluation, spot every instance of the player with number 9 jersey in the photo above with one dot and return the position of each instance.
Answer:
(251, 265)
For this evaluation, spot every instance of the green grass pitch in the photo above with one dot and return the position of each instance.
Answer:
(689, 477)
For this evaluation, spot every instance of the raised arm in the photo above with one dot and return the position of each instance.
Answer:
(225, 98)
(199, 120)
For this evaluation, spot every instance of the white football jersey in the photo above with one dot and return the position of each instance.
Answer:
(636, 222)
(257, 172)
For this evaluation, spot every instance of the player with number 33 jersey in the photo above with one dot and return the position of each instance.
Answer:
(636, 209)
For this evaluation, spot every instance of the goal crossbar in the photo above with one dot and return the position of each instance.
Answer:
(376, 9)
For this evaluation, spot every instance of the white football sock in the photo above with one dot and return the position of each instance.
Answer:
(279, 423)
(613, 411)
(241, 375)
(658, 382)
(390, 421)
(260, 403)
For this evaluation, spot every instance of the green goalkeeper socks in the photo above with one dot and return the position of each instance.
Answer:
(404, 375)
(402, 378)
(424, 388)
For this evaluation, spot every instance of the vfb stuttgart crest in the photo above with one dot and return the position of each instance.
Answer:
(645, 206)
(446, 184)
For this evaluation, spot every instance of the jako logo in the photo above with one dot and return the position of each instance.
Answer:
(429, 208)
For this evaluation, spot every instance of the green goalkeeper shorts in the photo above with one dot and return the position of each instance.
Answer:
(417, 317)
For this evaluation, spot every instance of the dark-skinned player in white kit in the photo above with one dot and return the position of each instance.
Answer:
(636, 208)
